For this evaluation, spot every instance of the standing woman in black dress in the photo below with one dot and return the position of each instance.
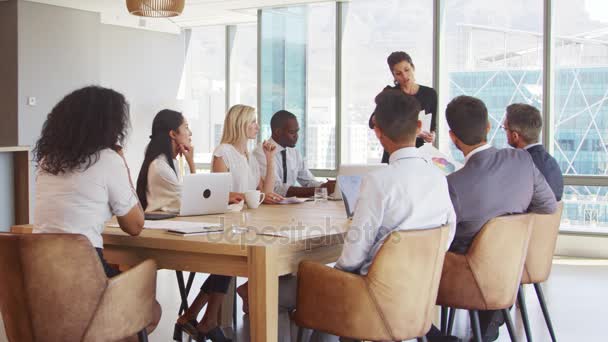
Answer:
(402, 68)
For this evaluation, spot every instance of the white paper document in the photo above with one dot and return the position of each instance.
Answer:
(292, 200)
(293, 234)
(174, 225)
(425, 119)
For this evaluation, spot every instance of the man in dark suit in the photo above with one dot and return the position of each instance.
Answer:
(522, 125)
(493, 182)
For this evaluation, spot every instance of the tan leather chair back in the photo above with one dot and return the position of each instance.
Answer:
(542, 246)
(51, 286)
(488, 276)
(404, 279)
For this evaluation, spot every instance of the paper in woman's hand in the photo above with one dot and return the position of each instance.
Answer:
(425, 119)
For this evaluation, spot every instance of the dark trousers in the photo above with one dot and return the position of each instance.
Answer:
(216, 284)
(110, 271)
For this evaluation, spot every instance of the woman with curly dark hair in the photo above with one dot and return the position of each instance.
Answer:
(82, 178)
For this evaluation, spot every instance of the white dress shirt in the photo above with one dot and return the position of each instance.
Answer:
(411, 193)
(81, 201)
(244, 169)
(297, 172)
(164, 186)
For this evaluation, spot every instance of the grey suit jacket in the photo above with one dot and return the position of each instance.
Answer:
(494, 183)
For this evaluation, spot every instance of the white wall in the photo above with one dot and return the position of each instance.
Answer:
(63, 49)
(146, 67)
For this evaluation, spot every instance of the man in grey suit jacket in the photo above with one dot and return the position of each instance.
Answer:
(522, 126)
(493, 182)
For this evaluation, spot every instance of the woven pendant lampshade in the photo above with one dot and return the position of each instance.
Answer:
(155, 8)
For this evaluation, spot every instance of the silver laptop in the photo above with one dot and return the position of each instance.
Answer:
(205, 193)
(350, 186)
(352, 170)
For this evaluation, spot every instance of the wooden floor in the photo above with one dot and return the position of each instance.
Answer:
(576, 296)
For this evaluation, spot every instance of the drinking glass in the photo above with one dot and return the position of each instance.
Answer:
(320, 195)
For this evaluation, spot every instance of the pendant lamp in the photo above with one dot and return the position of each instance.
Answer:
(155, 8)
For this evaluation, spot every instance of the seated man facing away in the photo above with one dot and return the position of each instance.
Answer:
(493, 182)
(292, 178)
(408, 194)
(522, 125)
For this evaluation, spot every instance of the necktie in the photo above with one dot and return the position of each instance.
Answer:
(284, 155)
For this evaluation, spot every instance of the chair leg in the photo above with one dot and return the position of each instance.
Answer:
(300, 332)
(451, 320)
(507, 315)
(177, 333)
(234, 310)
(142, 335)
(543, 306)
(521, 299)
(475, 325)
(182, 291)
(422, 339)
(444, 320)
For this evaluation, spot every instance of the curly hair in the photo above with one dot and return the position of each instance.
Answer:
(82, 124)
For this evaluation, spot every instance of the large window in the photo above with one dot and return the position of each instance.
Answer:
(298, 74)
(372, 30)
(580, 107)
(585, 209)
(204, 88)
(492, 50)
(242, 40)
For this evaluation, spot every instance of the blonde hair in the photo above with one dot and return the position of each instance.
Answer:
(235, 124)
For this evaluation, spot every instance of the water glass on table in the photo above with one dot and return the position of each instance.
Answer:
(320, 195)
(242, 225)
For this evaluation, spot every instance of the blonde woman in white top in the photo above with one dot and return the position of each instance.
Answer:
(159, 187)
(232, 155)
(240, 126)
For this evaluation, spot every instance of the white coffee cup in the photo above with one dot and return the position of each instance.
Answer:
(254, 198)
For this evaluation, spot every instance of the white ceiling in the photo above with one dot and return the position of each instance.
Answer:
(196, 12)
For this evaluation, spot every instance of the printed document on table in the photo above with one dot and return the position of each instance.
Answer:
(174, 225)
(292, 200)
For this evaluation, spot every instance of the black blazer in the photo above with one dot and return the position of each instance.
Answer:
(428, 102)
(547, 165)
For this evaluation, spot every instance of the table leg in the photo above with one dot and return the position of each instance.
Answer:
(263, 294)
(21, 179)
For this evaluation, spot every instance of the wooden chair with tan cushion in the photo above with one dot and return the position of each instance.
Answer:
(538, 264)
(54, 288)
(487, 277)
(394, 301)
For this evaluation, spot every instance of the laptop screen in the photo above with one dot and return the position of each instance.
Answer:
(350, 186)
